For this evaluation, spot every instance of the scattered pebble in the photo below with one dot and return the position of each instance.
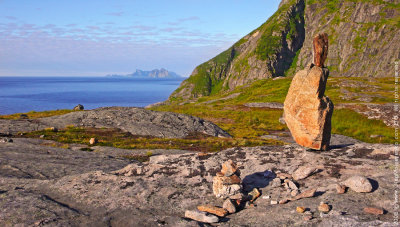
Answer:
(201, 216)
(358, 184)
(92, 141)
(229, 206)
(300, 209)
(284, 176)
(6, 140)
(303, 172)
(306, 194)
(307, 217)
(291, 185)
(341, 189)
(276, 182)
(373, 210)
(266, 197)
(323, 207)
(283, 201)
(274, 202)
(254, 194)
(213, 210)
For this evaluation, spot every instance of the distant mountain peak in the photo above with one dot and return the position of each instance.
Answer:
(155, 73)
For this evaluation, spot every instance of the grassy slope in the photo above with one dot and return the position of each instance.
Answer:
(209, 76)
(34, 114)
(244, 122)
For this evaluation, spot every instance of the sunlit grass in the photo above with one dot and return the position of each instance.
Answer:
(34, 114)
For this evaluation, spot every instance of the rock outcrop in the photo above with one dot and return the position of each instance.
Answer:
(46, 185)
(307, 111)
(137, 121)
(363, 37)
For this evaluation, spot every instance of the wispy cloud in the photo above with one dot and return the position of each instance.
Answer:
(116, 14)
(182, 20)
(10, 17)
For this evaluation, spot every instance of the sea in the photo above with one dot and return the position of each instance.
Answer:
(24, 94)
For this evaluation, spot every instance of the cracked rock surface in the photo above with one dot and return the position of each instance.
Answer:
(137, 121)
(42, 185)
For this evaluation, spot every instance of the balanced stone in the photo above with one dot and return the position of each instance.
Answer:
(307, 111)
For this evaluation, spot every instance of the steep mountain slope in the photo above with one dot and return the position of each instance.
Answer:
(363, 35)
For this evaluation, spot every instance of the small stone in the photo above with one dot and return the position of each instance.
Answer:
(274, 202)
(358, 184)
(276, 182)
(231, 180)
(213, 210)
(6, 140)
(23, 116)
(254, 194)
(266, 197)
(323, 207)
(229, 168)
(41, 136)
(303, 172)
(307, 217)
(373, 210)
(201, 216)
(282, 120)
(294, 193)
(229, 206)
(52, 129)
(283, 201)
(239, 196)
(300, 209)
(306, 194)
(284, 176)
(79, 107)
(92, 141)
(320, 47)
(341, 189)
(291, 184)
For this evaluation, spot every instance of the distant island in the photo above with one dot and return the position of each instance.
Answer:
(155, 73)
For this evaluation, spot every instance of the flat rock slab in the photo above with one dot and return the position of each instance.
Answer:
(84, 188)
(35, 159)
(137, 121)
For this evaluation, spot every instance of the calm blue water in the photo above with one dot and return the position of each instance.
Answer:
(23, 94)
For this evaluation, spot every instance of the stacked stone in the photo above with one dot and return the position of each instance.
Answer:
(227, 183)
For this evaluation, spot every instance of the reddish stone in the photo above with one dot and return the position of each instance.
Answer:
(373, 210)
(320, 44)
(213, 210)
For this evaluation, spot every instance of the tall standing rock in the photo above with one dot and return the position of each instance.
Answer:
(307, 111)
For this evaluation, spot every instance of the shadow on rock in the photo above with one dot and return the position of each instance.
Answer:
(338, 146)
(257, 180)
(374, 183)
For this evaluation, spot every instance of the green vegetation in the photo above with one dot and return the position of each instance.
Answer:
(34, 114)
(244, 122)
(119, 139)
(350, 123)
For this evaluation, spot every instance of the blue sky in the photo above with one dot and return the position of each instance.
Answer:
(95, 38)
